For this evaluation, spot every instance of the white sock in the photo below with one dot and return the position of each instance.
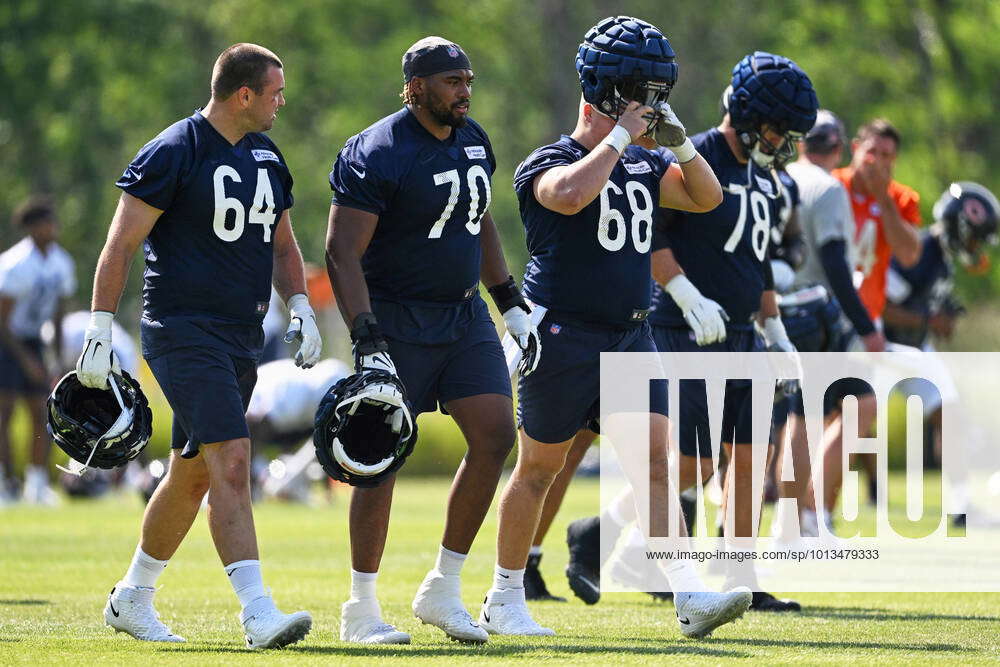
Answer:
(535, 551)
(450, 562)
(35, 475)
(683, 577)
(363, 585)
(143, 570)
(504, 578)
(636, 538)
(245, 577)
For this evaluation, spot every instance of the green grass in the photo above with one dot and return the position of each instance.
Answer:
(56, 567)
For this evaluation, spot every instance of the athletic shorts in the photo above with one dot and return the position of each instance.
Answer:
(209, 391)
(13, 379)
(434, 374)
(562, 395)
(693, 402)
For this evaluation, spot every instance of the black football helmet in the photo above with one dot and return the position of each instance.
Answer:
(101, 428)
(364, 429)
(968, 214)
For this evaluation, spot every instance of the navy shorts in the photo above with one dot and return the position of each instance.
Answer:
(434, 374)
(835, 393)
(562, 395)
(693, 402)
(13, 379)
(209, 390)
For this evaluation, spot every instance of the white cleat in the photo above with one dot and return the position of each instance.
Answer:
(41, 494)
(130, 609)
(439, 603)
(700, 613)
(505, 612)
(361, 622)
(265, 626)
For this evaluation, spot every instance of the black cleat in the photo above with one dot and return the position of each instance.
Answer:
(767, 602)
(534, 584)
(583, 537)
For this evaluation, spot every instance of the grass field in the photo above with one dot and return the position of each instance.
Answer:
(56, 567)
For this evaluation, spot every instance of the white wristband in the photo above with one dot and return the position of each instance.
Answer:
(774, 330)
(619, 139)
(101, 320)
(682, 291)
(298, 303)
(685, 152)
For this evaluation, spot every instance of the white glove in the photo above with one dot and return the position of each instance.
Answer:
(669, 130)
(379, 361)
(302, 326)
(776, 339)
(706, 318)
(525, 334)
(98, 357)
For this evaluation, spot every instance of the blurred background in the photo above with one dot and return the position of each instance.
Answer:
(85, 84)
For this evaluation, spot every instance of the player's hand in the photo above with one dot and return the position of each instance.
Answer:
(706, 318)
(874, 342)
(302, 327)
(942, 325)
(668, 131)
(371, 350)
(98, 357)
(377, 361)
(635, 119)
(777, 340)
(525, 334)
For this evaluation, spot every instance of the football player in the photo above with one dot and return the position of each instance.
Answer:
(209, 199)
(816, 323)
(409, 240)
(726, 274)
(36, 276)
(587, 202)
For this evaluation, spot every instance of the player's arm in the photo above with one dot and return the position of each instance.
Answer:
(510, 302)
(692, 186)
(349, 231)
(568, 189)
(901, 235)
(493, 266)
(131, 224)
(706, 318)
(289, 281)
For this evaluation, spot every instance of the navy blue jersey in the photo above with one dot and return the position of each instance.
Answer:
(593, 265)
(429, 196)
(209, 256)
(722, 251)
(925, 288)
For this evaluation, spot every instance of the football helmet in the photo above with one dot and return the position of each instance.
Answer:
(101, 428)
(967, 213)
(771, 90)
(364, 429)
(624, 59)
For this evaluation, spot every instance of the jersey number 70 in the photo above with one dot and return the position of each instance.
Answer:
(451, 177)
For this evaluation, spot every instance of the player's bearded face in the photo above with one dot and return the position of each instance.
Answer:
(264, 107)
(447, 97)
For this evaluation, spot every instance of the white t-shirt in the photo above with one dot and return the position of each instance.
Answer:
(825, 215)
(35, 281)
(288, 396)
(73, 327)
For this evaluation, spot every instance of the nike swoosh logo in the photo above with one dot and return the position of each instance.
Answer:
(379, 361)
(684, 621)
(113, 610)
(230, 573)
(504, 576)
(361, 173)
(486, 616)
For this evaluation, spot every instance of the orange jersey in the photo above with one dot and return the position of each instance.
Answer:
(870, 245)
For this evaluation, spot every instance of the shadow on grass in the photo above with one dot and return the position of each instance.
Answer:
(454, 650)
(880, 646)
(872, 614)
(27, 602)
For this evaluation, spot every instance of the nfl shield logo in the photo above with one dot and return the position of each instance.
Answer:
(555, 328)
(452, 51)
